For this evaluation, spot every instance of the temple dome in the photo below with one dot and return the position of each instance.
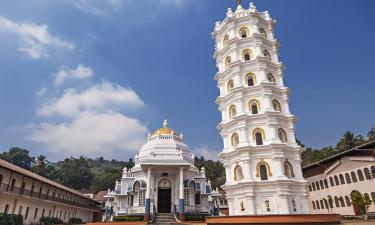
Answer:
(165, 130)
(165, 145)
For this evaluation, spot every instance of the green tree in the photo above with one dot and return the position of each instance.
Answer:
(18, 156)
(215, 171)
(371, 134)
(75, 173)
(348, 141)
(43, 168)
(310, 155)
(358, 200)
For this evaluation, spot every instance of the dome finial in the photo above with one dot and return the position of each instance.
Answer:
(165, 123)
(238, 2)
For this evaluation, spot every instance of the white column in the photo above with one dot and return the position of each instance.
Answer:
(251, 205)
(181, 183)
(181, 201)
(148, 190)
(147, 197)
(231, 206)
(284, 209)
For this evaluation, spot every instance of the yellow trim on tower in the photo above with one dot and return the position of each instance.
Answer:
(256, 101)
(250, 74)
(244, 53)
(261, 131)
(262, 162)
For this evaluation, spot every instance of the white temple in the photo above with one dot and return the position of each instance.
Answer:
(163, 179)
(260, 155)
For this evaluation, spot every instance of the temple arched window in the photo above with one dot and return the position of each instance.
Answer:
(262, 31)
(336, 180)
(373, 197)
(244, 32)
(230, 85)
(288, 169)
(347, 178)
(282, 135)
(331, 181)
(360, 175)
(373, 172)
(232, 111)
(225, 40)
(325, 203)
(263, 170)
(347, 200)
(354, 176)
(321, 184)
(227, 62)
(337, 202)
(367, 173)
(342, 203)
(267, 54)
(321, 203)
(366, 196)
(235, 140)
(271, 78)
(325, 183)
(258, 136)
(247, 55)
(313, 204)
(313, 186)
(317, 204)
(276, 105)
(254, 106)
(317, 185)
(238, 175)
(250, 79)
(342, 181)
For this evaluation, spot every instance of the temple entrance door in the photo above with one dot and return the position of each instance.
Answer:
(164, 200)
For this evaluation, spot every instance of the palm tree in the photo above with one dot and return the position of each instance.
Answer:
(371, 134)
(348, 141)
(41, 160)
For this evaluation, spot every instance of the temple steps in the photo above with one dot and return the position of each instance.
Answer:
(164, 218)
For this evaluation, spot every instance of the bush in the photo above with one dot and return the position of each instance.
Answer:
(195, 217)
(50, 220)
(6, 219)
(74, 220)
(128, 218)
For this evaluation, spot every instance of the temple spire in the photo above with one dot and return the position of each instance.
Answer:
(238, 2)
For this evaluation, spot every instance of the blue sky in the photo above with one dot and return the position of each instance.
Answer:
(93, 77)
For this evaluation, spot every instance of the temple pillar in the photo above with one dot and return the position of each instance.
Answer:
(181, 199)
(147, 216)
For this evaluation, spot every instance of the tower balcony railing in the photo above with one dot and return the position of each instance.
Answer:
(23, 192)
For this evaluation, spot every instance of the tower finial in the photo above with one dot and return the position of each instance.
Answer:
(238, 2)
(165, 123)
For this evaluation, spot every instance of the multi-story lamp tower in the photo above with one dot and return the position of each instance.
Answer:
(261, 157)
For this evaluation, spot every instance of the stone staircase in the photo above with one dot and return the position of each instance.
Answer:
(164, 218)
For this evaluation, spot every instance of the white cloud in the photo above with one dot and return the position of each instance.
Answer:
(91, 122)
(41, 91)
(102, 97)
(81, 72)
(207, 153)
(98, 8)
(34, 39)
(90, 134)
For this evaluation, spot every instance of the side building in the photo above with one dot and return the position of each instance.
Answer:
(32, 196)
(332, 180)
